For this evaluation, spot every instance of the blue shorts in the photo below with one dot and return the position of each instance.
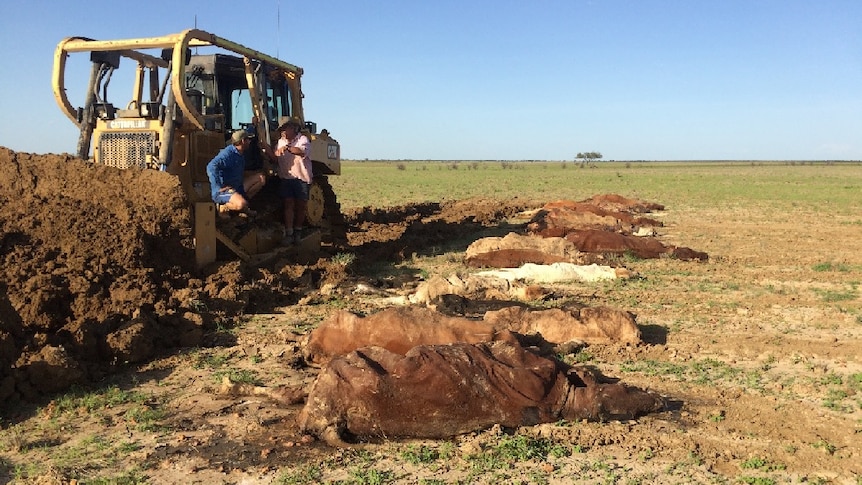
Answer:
(224, 196)
(293, 189)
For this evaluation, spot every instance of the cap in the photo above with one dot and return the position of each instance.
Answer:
(238, 136)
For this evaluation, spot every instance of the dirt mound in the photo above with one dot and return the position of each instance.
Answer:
(92, 260)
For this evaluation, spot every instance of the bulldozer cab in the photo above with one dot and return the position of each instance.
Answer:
(217, 84)
(183, 107)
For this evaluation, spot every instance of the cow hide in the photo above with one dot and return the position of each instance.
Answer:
(557, 272)
(513, 250)
(590, 325)
(591, 241)
(438, 391)
(397, 329)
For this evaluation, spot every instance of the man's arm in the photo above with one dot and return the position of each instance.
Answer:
(270, 157)
(214, 173)
(301, 146)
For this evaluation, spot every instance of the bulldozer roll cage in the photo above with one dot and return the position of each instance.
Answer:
(183, 107)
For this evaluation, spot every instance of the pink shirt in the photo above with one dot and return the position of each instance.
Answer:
(292, 166)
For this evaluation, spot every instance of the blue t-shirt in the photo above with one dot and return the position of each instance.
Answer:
(226, 169)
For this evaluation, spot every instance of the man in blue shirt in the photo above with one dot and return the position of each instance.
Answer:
(231, 190)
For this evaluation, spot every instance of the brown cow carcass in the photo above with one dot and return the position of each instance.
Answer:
(556, 219)
(591, 325)
(397, 329)
(592, 241)
(603, 225)
(513, 250)
(438, 391)
(616, 202)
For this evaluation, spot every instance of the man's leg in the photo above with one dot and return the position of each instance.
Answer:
(253, 183)
(289, 215)
(301, 205)
(237, 202)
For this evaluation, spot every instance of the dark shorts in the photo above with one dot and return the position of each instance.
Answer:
(293, 189)
(224, 196)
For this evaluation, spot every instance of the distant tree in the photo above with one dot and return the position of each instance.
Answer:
(588, 157)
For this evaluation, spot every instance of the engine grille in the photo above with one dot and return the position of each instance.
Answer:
(126, 150)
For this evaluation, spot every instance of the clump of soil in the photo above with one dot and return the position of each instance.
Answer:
(93, 260)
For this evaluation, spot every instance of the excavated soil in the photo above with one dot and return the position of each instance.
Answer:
(756, 352)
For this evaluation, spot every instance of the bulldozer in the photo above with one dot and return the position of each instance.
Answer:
(183, 108)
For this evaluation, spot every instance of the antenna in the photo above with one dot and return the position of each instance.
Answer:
(196, 26)
(278, 29)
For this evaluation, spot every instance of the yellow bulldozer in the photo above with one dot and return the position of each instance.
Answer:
(183, 108)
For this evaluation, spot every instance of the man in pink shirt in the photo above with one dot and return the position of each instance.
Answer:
(295, 176)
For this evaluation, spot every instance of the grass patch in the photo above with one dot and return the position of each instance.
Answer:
(344, 259)
(93, 401)
(832, 296)
(218, 362)
(582, 357)
(240, 376)
(832, 379)
(422, 454)
(86, 457)
(825, 446)
(702, 371)
(717, 417)
(757, 480)
(757, 463)
(209, 361)
(832, 267)
(371, 476)
(146, 418)
(834, 400)
(131, 477)
(510, 450)
(306, 474)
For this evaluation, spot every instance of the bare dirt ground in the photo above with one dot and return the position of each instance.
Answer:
(114, 347)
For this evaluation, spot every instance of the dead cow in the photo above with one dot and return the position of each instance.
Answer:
(438, 391)
(513, 250)
(591, 241)
(592, 325)
(617, 202)
(397, 329)
(562, 217)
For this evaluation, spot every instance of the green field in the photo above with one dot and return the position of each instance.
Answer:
(830, 186)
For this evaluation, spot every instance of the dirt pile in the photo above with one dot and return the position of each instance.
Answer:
(95, 270)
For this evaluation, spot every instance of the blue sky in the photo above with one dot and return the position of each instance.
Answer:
(503, 80)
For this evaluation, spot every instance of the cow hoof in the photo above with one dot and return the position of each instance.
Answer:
(332, 437)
